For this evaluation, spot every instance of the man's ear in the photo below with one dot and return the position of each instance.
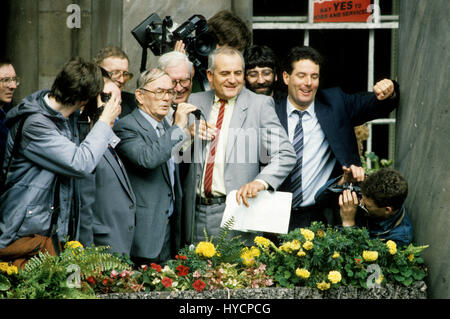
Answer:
(139, 96)
(285, 77)
(388, 211)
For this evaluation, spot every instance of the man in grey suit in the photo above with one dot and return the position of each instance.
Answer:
(109, 205)
(146, 147)
(248, 149)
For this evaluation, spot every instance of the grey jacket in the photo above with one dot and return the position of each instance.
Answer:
(257, 148)
(48, 148)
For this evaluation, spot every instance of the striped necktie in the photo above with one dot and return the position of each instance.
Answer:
(296, 174)
(207, 182)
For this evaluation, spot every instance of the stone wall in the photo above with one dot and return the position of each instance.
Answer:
(423, 131)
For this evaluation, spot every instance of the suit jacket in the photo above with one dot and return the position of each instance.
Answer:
(115, 206)
(257, 148)
(338, 113)
(128, 103)
(145, 156)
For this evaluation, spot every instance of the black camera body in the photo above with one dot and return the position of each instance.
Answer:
(156, 34)
(350, 186)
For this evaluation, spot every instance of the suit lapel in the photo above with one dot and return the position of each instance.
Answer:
(150, 134)
(237, 120)
(119, 171)
(280, 109)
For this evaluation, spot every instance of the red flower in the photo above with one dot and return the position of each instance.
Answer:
(199, 285)
(105, 282)
(182, 270)
(180, 257)
(156, 267)
(358, 260)
(91, 280)
(167, 282)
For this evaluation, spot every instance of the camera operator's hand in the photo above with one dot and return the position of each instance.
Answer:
(352, 174)
(181, 114)
(111, 111)
(206, 131)
(179, 46)
(348, 204)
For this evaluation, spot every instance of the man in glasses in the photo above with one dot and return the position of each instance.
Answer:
(116, 63)
(261, 68)
(8, 84)
(146, 147)
(181, 71)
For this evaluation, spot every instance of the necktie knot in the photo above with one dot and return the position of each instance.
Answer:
(160, 128)
(299, 113)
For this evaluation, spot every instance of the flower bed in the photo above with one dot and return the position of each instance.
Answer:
(319, 262)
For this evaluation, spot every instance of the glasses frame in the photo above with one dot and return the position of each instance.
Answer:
(7, 81)
(126, 75)
(160, 95)
(176, 82)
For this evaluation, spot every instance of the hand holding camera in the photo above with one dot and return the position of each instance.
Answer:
(111, 109)
(348, 204)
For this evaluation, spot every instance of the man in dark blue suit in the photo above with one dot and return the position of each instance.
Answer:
(320, 124)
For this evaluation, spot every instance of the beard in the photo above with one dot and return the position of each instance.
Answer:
(264, 88)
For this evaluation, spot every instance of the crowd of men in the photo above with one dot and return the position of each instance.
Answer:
(131, 171)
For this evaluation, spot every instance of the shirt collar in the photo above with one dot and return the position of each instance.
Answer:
(229, 102)
(387, 224)
(152, 121)
(290, 108)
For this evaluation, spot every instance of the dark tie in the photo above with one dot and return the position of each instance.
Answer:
(296, 174)
(170, 167)
(212, 152)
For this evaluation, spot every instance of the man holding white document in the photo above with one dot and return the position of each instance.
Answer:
(247, 149)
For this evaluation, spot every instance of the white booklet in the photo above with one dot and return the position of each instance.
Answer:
(269, 212)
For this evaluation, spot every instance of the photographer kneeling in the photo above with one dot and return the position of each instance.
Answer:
(376, 205)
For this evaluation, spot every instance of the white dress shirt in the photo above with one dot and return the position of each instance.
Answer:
(318, 161)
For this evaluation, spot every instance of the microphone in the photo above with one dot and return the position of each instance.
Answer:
(197, 113)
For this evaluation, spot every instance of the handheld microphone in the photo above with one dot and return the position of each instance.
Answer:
(197, 113)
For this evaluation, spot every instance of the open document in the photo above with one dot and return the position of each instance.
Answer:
(269, 212)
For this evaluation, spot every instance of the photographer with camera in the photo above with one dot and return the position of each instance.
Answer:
(44, 156)
(375, 203)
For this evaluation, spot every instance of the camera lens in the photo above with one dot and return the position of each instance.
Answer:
(204, 44)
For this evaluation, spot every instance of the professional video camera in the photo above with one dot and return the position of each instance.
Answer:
(161, 35)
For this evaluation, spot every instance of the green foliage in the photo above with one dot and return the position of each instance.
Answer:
(375, 161)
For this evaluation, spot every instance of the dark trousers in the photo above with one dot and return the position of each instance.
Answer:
(302, 217)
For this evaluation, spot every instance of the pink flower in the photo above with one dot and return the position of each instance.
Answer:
(124, 273)
(114, 274)
(144, 267)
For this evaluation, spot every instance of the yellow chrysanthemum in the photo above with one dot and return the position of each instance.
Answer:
(380, 279)
(309, 235)
(205, 249)
(262, 241)
(302, 273)
(392, 247)
(308, 245)
(3, 266)
(290, 246)
(369, 255)
(248, 255)
(301, 253)
(334, 276)
(73, 244)
(12, 270)
(336, 255)
(323, 285)
(321, 233)
(411, 257)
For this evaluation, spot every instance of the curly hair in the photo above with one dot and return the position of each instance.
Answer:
(386, 187)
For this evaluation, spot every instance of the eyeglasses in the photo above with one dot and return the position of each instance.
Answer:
(160, 93)
(115, 75)
(255, 74)
(183, 82)
(9, 81)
